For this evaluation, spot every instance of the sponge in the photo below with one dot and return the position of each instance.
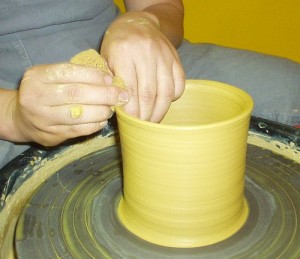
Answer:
(92, 58)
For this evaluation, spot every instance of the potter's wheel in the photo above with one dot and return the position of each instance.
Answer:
(73, 211)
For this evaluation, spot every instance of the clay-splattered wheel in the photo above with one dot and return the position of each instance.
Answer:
(73, 212)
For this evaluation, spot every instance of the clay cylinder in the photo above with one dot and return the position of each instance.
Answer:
(183, 178)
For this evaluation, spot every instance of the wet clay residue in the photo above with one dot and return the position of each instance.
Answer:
(289, 151)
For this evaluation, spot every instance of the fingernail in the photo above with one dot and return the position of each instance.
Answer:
(123, 98)
(108, 79)
(112, 114)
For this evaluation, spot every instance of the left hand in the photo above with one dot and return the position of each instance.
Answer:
(138, 52)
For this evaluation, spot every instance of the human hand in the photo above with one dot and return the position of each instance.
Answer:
(138, 52)
(62, 101)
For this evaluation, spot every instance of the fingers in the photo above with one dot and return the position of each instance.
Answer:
(127, 71)
(146, 89)
(170, 86)
(164, 93)
(60, 133)
(53, 125)
(152, 87)
(179, 79)
(141, 83)
(67, 83)
(67, 72)
(79, 120)
(75, 114)
(86, 88)
(87, 108)
(74, 93)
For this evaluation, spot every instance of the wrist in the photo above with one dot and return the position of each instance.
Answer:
(8, 126)
(7, 99)
(138, 17)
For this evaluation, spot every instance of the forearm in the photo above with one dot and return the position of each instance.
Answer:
(7, 100)
(168, 16)
(170, 21)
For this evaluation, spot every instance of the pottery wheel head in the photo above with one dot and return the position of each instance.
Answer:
(74, 213)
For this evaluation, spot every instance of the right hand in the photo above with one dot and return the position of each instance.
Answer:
(147, 61)
(61, 101)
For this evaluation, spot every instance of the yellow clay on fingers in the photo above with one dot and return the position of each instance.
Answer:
(76, 111)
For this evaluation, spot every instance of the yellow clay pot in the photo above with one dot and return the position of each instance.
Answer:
(184, 178)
